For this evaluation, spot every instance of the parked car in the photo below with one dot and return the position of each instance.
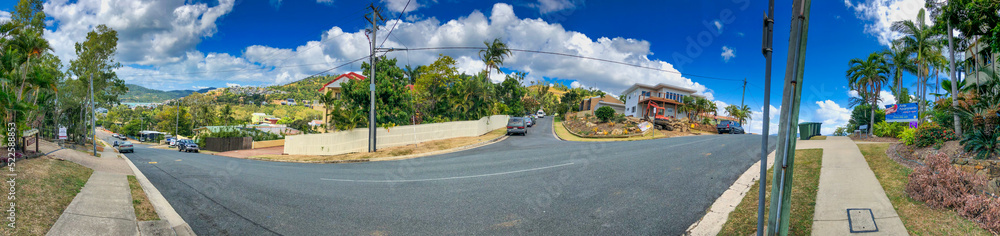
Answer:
(516, 126)
(540, 114)
(115, 144)
(529, 121)
(728, 126)
(187, 145)
(124, 147)
(122, 137)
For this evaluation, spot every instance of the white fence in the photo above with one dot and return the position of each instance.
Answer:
(357, 140)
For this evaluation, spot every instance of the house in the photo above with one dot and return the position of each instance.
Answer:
(977, 56)
(271, 120)
(592, 103)
(334, 85)
(642, 100)
(316, 123)
(257, 118)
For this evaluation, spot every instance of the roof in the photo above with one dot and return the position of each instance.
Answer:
(611, 104)
(349, 75)
(607, 99)
(657, 87)
(658, 99)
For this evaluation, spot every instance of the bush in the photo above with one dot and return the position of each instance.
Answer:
(982, 142)
(886, 129)
(939, 184)
(908, 135)
(604, 113)
(930, 133)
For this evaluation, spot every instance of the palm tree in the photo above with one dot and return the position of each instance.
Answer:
(867, 77)
(493, 55)
(920, 39)
(327, 100)
(898, 62)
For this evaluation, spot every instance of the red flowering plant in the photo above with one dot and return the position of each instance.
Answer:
(930, 133)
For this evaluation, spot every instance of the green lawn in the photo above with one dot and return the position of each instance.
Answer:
(44, 188)
(743, 220)
(918, 218)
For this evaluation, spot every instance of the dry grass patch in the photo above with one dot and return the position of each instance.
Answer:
(44, 188)
(143, 209)
(818, 138)
(566, 135)
(918, 218)
(423, 147)
(743, 220)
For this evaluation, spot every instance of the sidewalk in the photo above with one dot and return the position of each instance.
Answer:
(846, 182)
(104, 205)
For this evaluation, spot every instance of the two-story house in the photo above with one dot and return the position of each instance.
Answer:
(334, 85)
(642, 100)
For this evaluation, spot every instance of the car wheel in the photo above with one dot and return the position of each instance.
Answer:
(195, 151)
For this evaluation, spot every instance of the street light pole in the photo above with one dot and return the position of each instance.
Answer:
(93, 115)
(766, 125)
(374, 19)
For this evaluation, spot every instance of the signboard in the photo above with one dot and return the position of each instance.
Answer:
(28, 141)
(645, 126)
(62, 133)
(906, 112)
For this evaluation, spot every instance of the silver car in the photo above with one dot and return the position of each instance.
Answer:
(124, 147)
(516, 125)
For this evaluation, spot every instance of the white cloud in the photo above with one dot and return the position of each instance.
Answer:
(832, 115)
(399, 5)
(718, 25)
(325, 1)
(4, 16)
(232, 85)
(727, 53)
(756, 123)
(721, 108)
(881, 13)
(884, 97)
(276, 3)
(149, 32)
(547, 6)
(199, 87)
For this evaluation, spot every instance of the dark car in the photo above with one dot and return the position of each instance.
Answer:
(728, 126)
(186, 145)
(516, 126)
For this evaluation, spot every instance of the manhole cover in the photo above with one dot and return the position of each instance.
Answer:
(861, 220)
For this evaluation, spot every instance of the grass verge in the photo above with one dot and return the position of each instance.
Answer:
(44, 188)
(143, 209)
(918, 218)
(424, 147)
(566, 135)
(818, 138)
(743, 220)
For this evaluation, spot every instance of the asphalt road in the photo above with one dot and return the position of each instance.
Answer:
(534, 185)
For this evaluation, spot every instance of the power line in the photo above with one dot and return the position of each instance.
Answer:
(568, 55)
(394, 24)
(335, 67)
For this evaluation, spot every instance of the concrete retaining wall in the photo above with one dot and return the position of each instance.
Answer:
(269, 143)
(357, 140)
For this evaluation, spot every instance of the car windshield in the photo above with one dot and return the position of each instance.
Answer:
(515, 121)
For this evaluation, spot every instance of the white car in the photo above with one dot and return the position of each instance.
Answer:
(540, 114)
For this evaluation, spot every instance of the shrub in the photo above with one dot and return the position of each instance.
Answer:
(939, 184)
(982, 142)
(908, 135)
(930, 133)
(886, 129)
(604, 113)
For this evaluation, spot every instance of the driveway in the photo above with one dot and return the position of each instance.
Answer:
(533, 184)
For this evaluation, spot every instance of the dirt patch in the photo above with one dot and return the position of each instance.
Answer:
(872, 138)
(589, 126)
(424, 147)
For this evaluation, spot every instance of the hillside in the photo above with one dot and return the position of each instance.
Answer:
(306, 89)
(137, 93)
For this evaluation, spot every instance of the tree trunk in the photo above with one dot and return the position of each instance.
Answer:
(954, 82)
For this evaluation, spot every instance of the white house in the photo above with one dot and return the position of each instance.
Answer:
(642, 99)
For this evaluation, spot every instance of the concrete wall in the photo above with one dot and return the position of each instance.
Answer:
(269, 143)
(357, 140)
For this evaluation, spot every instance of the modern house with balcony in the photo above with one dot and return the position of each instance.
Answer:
(643, 100)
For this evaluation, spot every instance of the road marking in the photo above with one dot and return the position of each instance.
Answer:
(152, 162)
(447, 178)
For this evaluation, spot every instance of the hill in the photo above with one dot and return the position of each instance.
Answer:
(305, 89)
(137, 93)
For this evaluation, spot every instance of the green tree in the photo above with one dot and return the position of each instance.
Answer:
(867, 77)
(919, 39)
(604, 113)
(494, 55)
(393, 103)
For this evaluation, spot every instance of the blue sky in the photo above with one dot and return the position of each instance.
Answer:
(180, 44)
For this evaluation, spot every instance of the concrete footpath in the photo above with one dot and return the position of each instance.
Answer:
(104, 205)
(846, 182)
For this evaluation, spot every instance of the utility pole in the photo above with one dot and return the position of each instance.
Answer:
(374, 19)
(767, 50)
(93, 115)
(744, 95)
(778, 219)
(177, 117)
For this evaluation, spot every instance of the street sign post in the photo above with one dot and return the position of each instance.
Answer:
(62, 133)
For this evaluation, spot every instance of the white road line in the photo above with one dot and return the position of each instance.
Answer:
(446, 178)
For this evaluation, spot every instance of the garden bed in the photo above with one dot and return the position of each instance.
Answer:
(589, 126)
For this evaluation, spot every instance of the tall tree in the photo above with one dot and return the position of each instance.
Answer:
(494, 55)
(867, 76)
(919, 39)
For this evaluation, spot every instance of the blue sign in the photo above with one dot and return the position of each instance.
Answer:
(906, 112)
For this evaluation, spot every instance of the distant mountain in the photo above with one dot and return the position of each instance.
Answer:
(138, 93)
